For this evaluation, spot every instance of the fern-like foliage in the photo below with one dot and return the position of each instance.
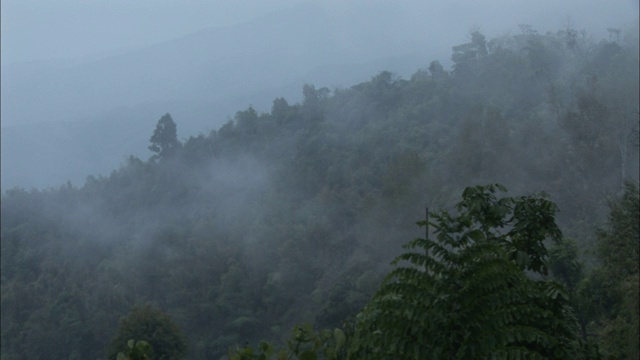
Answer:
(474, 291)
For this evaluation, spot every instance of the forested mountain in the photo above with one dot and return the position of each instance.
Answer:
(294, 215)
(107, 104)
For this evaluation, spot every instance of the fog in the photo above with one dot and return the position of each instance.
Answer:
(245, 166)
(37, 30)
(101, 73)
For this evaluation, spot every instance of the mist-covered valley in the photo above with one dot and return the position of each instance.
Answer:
(232, 229)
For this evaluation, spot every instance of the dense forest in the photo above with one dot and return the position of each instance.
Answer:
(294, 216)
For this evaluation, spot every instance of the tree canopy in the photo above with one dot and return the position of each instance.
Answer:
(294, 215)
(160, 336)
(476, 290)
(609, 296)
(164, 140)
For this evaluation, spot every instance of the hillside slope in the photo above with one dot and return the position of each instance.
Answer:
(293, 215)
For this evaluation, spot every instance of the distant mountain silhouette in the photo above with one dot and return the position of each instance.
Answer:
(202, 79)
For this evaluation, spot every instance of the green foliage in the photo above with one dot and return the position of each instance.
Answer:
(465, 294)
(304, 344)
(564, 263)
(136, 350)
(161, 338)
(618, 244)
(243, 231)
(611, 293)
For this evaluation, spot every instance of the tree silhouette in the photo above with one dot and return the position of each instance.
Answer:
(164, 140)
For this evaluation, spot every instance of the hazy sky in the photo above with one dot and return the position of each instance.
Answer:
(62, 29)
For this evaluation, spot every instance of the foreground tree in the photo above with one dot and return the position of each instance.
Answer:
(147, 331)
(476, 291)
(611, 292)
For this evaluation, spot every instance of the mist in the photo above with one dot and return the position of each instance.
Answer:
(102, 72)
(243, 167)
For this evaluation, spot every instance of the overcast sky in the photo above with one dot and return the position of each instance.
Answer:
(64, 29)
